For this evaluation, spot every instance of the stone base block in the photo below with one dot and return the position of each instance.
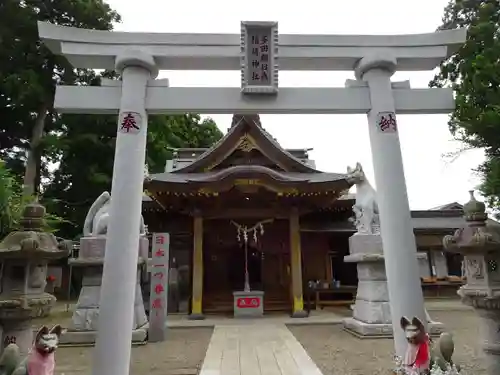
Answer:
(86, 315)
(94, 247)
(196, 317)
(372, 290)
(373, 330)
(248, 304)
(367, 330)
(366, 244)
(372, 312)
(299, 314)
(87, 338)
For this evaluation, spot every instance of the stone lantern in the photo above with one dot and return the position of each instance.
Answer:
(479, 242)
(24, 255)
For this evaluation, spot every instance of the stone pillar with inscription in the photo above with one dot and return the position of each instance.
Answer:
(159, 276)
(479, 242)
(85, 319)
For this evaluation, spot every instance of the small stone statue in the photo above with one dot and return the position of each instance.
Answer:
(366, 215)
(417, 357)
(441, 355)
(41, 359)
(96, 222)
(425, 356)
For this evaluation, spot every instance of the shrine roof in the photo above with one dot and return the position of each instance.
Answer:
(211, 176)
(186, 156)
(244, 128)
(448, 206)
(256, 155)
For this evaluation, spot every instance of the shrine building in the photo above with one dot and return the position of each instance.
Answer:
(295, 221)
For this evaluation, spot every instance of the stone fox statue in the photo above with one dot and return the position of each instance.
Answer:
(40, 360)
(418, 354)
(423, 353)
(96, 222)
(366, 207)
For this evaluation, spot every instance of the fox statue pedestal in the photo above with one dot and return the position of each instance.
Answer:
(85, 318)
(372, 313)
(84, 323)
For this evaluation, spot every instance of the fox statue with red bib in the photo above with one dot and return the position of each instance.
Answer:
(40, 360)
(418, 355)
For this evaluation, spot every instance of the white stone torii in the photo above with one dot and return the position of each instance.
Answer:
(139, 57)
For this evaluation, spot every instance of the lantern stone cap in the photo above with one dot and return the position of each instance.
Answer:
(31, 241)
(474, 210)
(476, 236)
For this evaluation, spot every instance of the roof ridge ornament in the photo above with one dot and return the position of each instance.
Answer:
(246, 143)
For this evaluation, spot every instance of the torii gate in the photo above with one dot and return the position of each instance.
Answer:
(139, 57)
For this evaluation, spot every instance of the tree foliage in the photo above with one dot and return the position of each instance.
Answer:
(474, 75)
(88, 151)
(29, 73)
(13, 202)
(35, 139)
(9, 198)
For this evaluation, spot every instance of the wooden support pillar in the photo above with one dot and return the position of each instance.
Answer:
(296, 266)
(197, 293)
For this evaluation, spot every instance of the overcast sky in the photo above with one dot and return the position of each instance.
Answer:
(337, 140)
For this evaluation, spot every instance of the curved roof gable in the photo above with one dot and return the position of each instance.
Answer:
(246, 132)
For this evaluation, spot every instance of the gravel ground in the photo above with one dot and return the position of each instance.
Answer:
(181, 354)
(336, 352)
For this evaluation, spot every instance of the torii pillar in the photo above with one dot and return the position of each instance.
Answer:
(113, 350)
(403, 278)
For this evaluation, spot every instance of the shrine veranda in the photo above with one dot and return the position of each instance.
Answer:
(140, 56)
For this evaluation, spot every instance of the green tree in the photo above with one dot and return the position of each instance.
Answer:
(13, 202)
(167, 133)
(33, 136)
(86, 164)
(29, 73)
(9, 197)
(474, 75)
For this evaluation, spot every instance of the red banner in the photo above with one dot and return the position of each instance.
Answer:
(248, 303)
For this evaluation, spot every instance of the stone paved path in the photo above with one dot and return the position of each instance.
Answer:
(256, 349)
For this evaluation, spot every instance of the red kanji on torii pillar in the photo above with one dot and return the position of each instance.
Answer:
(129, 124)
